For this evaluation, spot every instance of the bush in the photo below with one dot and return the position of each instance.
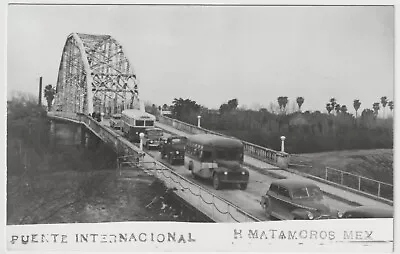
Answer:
(305, 132)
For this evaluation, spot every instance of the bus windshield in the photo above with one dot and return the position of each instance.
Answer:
(149, 123)
(232, 154)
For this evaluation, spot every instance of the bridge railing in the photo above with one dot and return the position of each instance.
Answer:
(215, 207)
(253, 150)
(373, 187)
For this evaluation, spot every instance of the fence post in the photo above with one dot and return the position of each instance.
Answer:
(379, 189)
(213, 207)
(199, 197)
(341, 177)
(359, 183)
(326, 173)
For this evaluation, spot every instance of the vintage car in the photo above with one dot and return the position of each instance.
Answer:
(368, 212)
(116, 121)
(174, 148)
(290, 199)
(153, 137)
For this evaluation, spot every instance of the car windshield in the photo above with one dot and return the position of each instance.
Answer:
(116, 117)
(314, 191)
(306, 192)
(177, 141)
(155, 132)
(228, 154)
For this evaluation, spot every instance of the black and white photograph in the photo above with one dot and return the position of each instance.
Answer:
(279, 118)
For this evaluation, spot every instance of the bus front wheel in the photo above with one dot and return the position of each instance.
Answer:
(243, 186)
(170, 160)
(216, 182)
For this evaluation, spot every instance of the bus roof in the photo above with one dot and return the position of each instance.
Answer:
(216, 141)
(135, 113)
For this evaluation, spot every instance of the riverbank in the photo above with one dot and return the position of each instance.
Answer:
(90, 197)
(73, 184)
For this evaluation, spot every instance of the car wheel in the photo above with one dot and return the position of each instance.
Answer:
(170, 160)
(216, 182)
(267, 207)
(194, 175)
(243, 186)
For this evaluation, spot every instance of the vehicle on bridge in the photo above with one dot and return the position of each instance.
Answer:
(134, 122)
(116, 121)
(153, 137)
(174, 148)
(289, 199)
(368, 212)
(217, 158)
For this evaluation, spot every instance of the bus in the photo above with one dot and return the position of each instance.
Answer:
(134, 122)
(218, 159)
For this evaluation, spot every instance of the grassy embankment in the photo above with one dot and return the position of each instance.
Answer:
(375, 164)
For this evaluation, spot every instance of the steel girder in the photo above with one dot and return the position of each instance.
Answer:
(94, 76)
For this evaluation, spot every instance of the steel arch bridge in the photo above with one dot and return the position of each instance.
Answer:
(95, 76)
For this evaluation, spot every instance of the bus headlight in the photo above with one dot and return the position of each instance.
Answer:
(243, 172)
(225, 173)
(310, 215)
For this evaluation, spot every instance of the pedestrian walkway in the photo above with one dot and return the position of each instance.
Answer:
(338, 192)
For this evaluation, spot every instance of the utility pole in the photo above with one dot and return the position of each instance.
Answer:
(40, 91)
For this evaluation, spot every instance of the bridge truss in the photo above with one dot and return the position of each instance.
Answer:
(94, 76)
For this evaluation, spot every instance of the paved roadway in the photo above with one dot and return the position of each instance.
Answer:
(247, 199)
(348, 195)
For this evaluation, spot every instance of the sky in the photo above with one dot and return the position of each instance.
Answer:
(212, 54)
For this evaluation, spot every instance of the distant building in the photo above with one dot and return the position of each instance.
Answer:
(166, 113)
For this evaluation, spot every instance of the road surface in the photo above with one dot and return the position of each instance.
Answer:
(249, 199)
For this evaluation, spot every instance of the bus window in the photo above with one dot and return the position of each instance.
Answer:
(149, 123)
(139, 123)
(229, 154)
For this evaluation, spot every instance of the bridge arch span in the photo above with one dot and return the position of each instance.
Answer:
(94, 76)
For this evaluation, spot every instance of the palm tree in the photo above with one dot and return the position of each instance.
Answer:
(300, 101)
(343, 109)
(356, 105)
(384, 102)
(337, 108)
(333, 102)
(376, 108)
(49, 93)
(284, 102)
(391, 106)
(280, 103)
(329, 108)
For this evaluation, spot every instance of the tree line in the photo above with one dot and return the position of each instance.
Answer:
(306, 132)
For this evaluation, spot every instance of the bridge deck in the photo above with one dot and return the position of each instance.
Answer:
(261, 175)
(259, 183)
(348, 195)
